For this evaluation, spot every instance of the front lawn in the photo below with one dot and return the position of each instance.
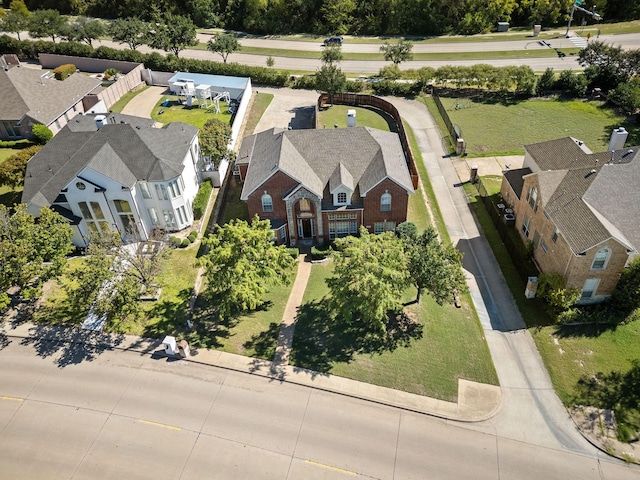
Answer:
(501, 126)
(451, 346)
(194, 115)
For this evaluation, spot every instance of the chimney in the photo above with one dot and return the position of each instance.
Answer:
(618, 137)
(100, 121)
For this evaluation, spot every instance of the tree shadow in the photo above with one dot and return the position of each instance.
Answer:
(617, 391)
(71, 345)
(264, 343)
(171, 315)
(322, 338)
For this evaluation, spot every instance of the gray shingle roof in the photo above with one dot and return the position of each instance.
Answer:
(25, 91)
(125, 152)
(312, 156)
(590, 196)
(516, 180)
(341, 176)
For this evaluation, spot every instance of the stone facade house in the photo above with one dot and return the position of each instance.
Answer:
(117, 172)
(32, 96)
(317, 185)
(580, 211)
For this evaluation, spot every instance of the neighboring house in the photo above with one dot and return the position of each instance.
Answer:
(117, 172)
(580, 211)
(30, 96)
(317, 185)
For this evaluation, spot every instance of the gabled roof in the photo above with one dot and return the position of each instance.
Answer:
(31, 92)
(125, 152)
(341, 176)
(311, 157)
(590, 197)
(516, 179)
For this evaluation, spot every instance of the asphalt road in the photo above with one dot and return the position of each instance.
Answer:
(126, 415)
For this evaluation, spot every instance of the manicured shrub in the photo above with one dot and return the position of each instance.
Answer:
(193, 235)
(320, 253)
(294, 252)
(185, 243)
(64, 71)
(41, 133)
(202, 198)
(175, 241)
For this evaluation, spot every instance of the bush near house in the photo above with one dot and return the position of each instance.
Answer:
(202, 198)
(41, 133)
(64, 71)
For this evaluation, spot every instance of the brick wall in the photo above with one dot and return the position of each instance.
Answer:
(276, 186)
(371, 203)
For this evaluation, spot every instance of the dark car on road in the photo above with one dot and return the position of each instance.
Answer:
(335, 40)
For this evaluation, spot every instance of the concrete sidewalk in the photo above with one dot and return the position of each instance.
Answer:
(476, 402)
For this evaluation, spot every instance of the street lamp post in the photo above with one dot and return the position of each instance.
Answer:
(576, 6)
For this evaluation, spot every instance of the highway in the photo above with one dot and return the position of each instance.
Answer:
(127, 415)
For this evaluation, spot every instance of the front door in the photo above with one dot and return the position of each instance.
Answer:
(306, 228)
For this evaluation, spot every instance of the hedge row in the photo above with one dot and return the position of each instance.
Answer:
(202, 198)
(155, 61)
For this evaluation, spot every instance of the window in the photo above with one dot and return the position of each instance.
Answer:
(184, 212)
(342, 197)
(180, 216)
(144, 187)
(93, 215)
(380, 227)
(66, 117)
(9, 128)
(126, 216)
(385, 202)
(305, 205)
(544, 246)
(267, 203)
(532, 197)
(161, 191)
(169, 219)
(525, 225)
(57, 122)
(174, 189)
(153, 215)
(80, 186)
(283, 234)
(600, 259)
(589, 288)
(554, 237)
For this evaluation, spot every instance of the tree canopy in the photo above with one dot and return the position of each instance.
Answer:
(214, 137)
(369, 278)
(13, 169)
(397, 52)
(26, 244)
(132, 31)
(223, 44)
(242, 263)
(45, 23)
(172, 33)
(83, 30)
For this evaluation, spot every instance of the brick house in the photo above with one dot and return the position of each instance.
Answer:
(580, 211)
(317, 185)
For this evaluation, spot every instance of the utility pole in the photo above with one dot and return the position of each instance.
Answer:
(576, 6)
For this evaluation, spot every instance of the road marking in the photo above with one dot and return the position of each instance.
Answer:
(329, 467)
(149, 422)
(15, 399)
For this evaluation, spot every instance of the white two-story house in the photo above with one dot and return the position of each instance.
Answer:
(117, 172)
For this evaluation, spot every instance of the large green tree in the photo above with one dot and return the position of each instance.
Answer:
(45, 23)
(15, 21)
(435, 267)
(338, 15)
(173, 33)
(369, 278)
(132, 31)
(223, 44)
(12, 170)
(83, 30)
(31, 251)
(214, 137)
(242, 263)
(397, 52)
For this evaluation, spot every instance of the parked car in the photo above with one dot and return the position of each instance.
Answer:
(335, 40)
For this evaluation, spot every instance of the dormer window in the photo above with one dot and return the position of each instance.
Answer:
(600, 260)
(342, 197)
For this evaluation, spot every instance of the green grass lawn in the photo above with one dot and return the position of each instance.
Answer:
(253, 333)
(233, 207)
(365, 117)
(503, 127)
(260, 104)
(452, 346)
(193, 115)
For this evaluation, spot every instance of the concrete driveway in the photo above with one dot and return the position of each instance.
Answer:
(142, 104)
(289, 107)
